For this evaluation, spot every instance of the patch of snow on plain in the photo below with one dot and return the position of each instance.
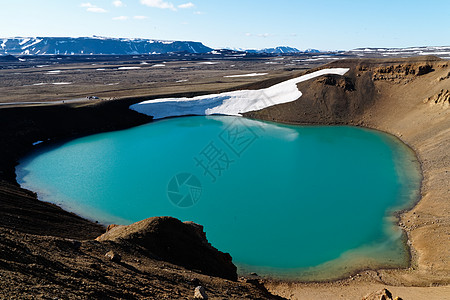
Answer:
(54, 72)
(61, 83)
(246, 75)
(158, 65)
(128, 68)
(207, 63)
(230, 103)
(40, 83)
(101, 69)
(435, 53)
(183, 80)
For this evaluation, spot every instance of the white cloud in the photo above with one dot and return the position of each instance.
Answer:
(198, 13)
(92, 8)
(186, 5)
(140, 17)
(262, 35)
(120, 18)
(118, 3)
(158, 4)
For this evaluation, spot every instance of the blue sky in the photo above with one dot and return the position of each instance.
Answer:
(325, 24)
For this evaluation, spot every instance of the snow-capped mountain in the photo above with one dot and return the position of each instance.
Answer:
(276, 50)
(95, 45)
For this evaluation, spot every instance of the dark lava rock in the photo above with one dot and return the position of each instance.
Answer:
(382, 294)
(171, 240)
(425, 70)
(112, 256)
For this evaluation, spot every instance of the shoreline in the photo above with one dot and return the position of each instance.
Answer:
(380, 116)
(280, 276)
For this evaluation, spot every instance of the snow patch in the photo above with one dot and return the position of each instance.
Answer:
(24, 41)
(231, 103)
(246, 75)
(61, 83)
(158, 65)
(128, 68)
(37, 41)
(54, 72)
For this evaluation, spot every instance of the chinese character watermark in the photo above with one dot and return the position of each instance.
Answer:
(184, 189)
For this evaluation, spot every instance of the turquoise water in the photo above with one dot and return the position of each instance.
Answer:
(285, 201)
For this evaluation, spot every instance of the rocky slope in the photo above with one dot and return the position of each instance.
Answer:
(47, 267)
(171, 240)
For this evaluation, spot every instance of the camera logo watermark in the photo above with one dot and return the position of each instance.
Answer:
(184, 190)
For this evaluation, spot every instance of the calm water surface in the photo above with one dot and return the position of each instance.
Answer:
(285, 201)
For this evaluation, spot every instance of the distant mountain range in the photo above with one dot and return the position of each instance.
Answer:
(95, 46)
(114, 46)
(276, 50)
(123, 46)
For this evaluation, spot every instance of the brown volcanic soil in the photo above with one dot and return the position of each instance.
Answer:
(38, 255)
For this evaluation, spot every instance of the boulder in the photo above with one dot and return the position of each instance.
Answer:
(200, 293)
(383, 294)
(171, 240)
(111, 226)
(112, 256)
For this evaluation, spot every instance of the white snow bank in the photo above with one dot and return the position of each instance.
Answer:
(61, 83)
(230, 103)
(128, 68)
(158, 65)
(246, 75)
(54, 72)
